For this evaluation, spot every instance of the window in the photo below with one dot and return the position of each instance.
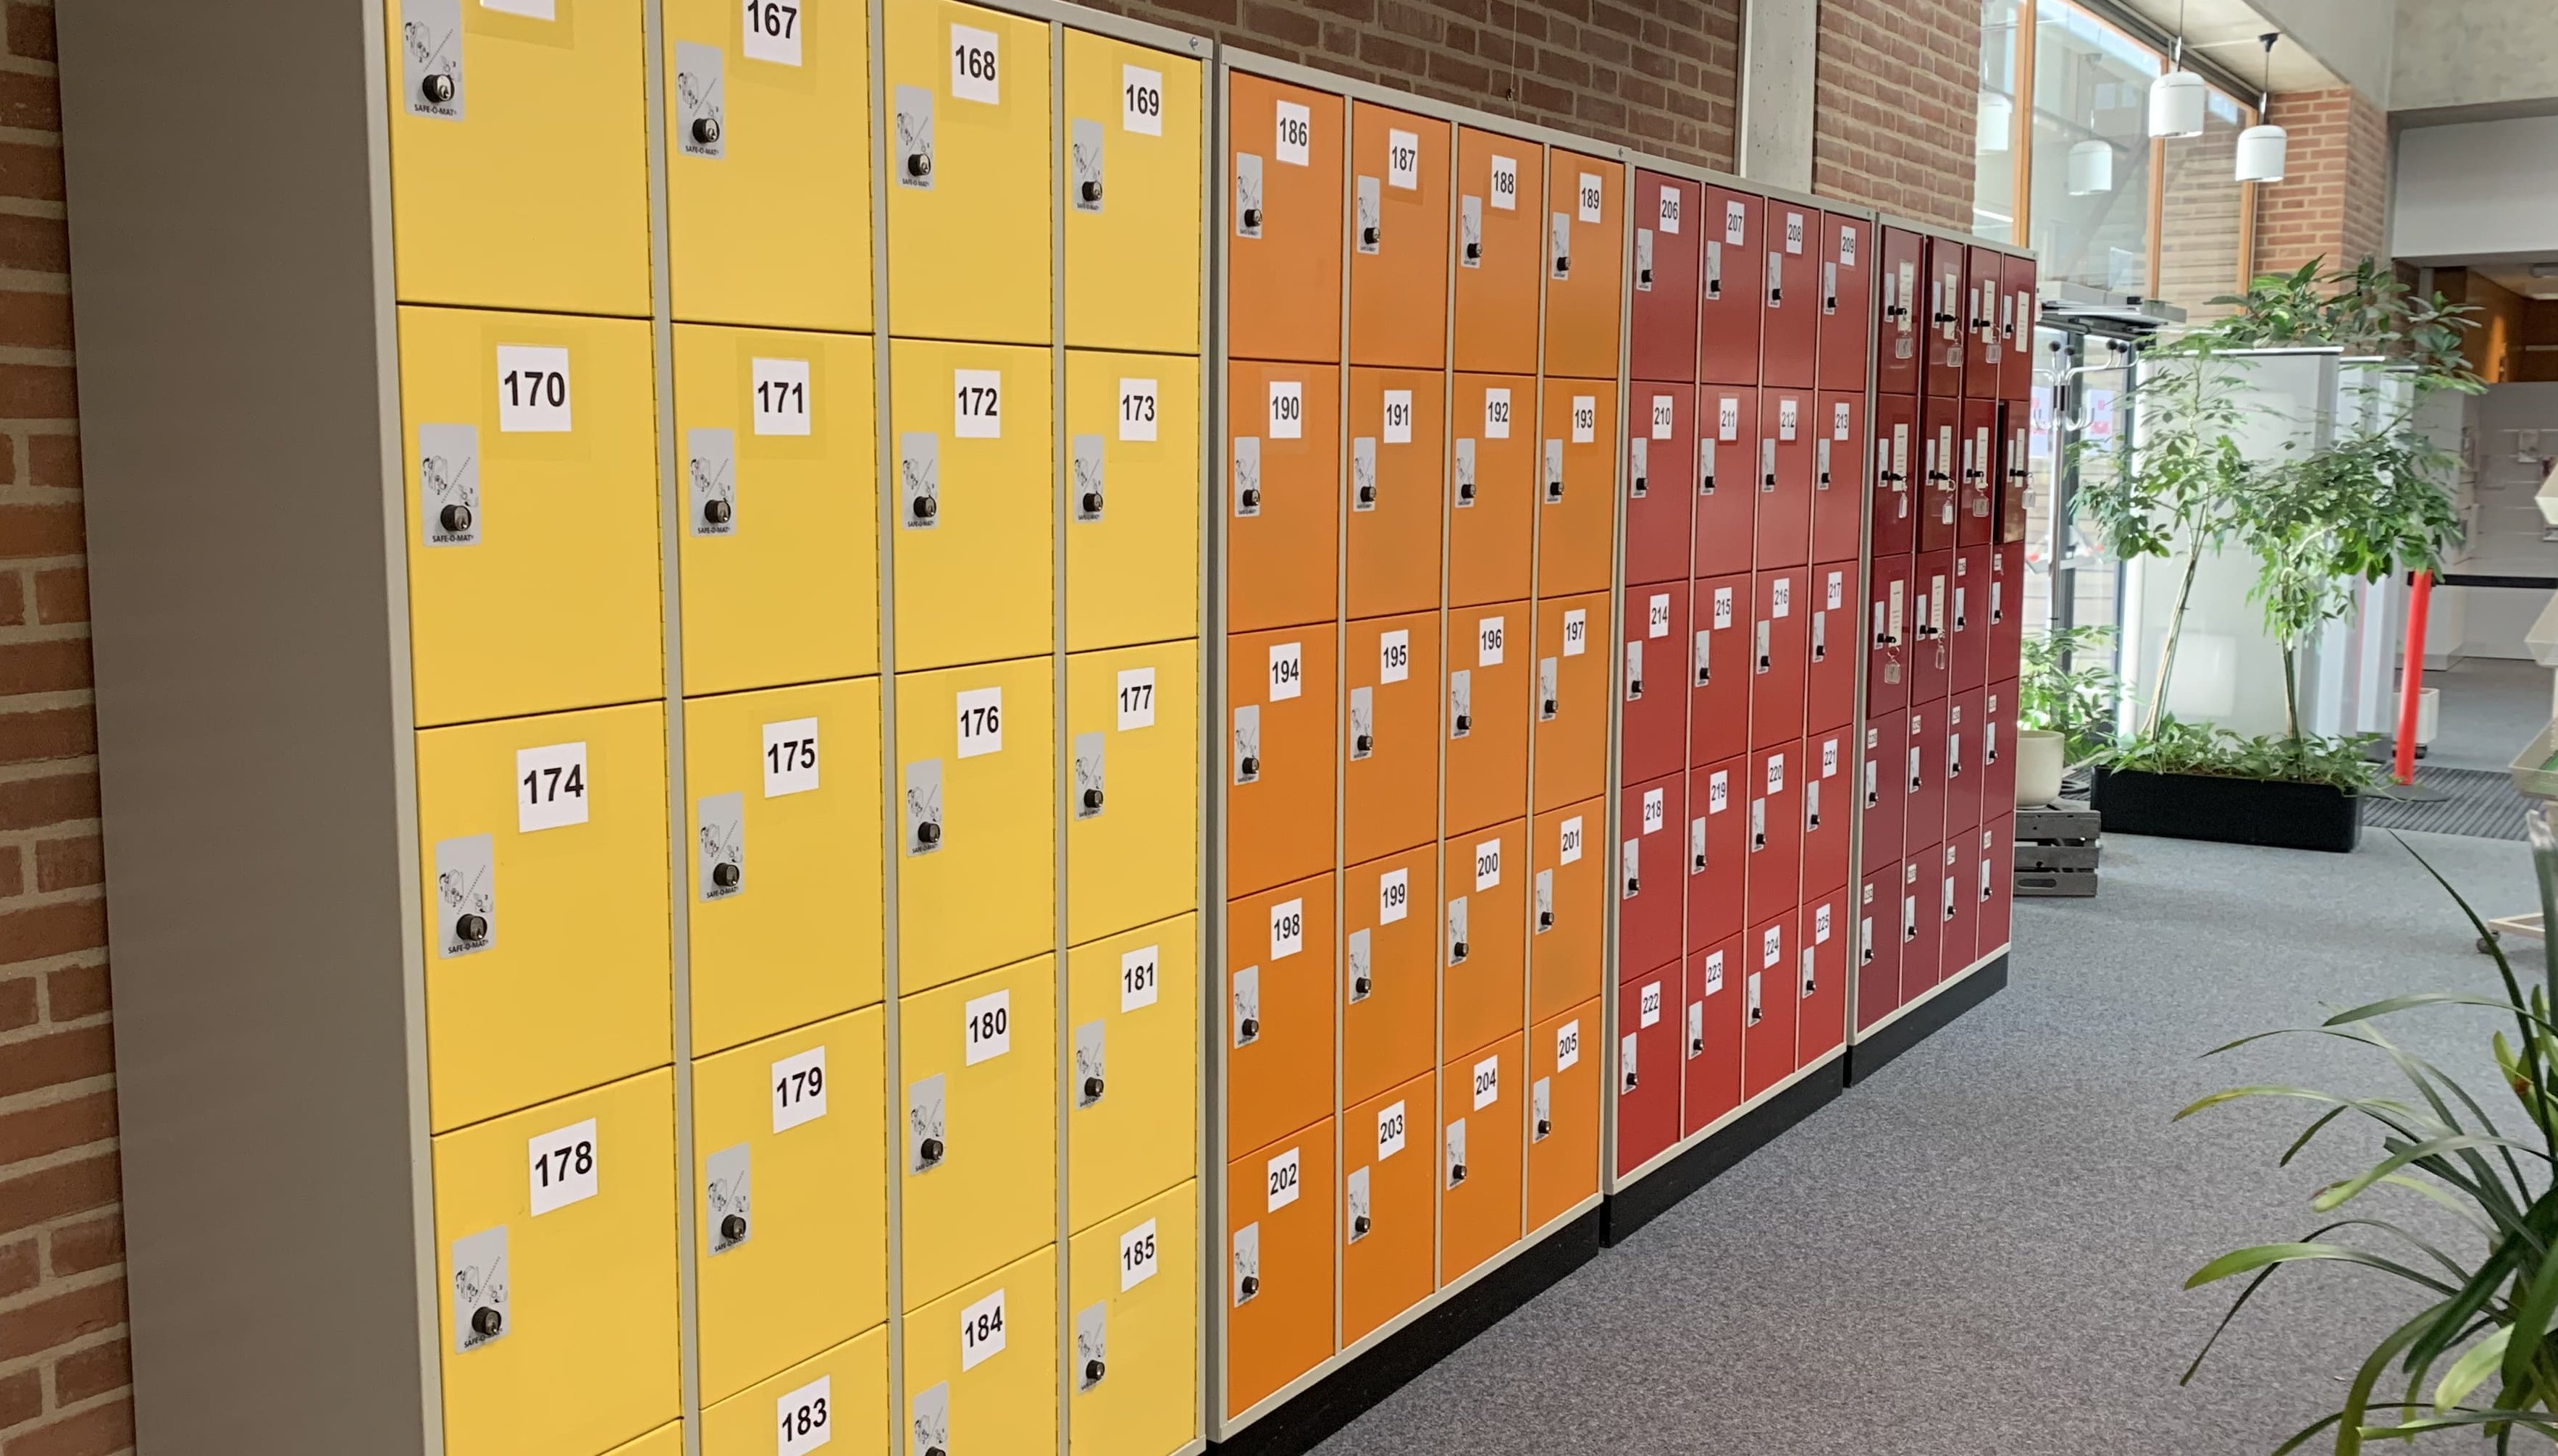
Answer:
(1995, 146)
(2204, 213)
(2090, 197)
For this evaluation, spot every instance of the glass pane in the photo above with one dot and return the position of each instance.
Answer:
(2201, 207)
(2091, 151)
(1994, 144)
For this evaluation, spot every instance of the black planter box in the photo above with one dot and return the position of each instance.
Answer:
(2234, 811)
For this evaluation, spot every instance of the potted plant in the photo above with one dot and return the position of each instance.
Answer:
(2064, 710)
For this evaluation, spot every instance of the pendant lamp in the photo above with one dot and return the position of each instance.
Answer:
(2261, 146)
(2176, 98)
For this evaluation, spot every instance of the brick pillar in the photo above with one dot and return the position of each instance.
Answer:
(2335, 194)
(1897, 86)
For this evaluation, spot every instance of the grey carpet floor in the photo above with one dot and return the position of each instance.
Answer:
(2490, 707)
(1980, 1248)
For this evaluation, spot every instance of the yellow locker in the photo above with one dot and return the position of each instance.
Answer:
(520, 154)
(1132, 1313)
(785, 863)
(1132, 510)
(666, 1440)
(1130, 161)
(531, 446)
(1132, 1088)
(968, 173)
(792, 1210)
(542, 850)
(975, 529)
(1132, 798)
(782, 512)
(555, 1243)
(979, 1107)
(977, 770)
(841, 1395)
(767, 163)
(981, 1366)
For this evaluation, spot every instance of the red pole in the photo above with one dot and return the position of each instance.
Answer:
(2411, 676)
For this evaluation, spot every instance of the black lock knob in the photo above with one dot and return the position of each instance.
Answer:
(1457, 951)
(1755, 1013)
(438, 89)
(1368, 237)
(1545, 919)
(455, 519)
(1465, 490)
(1549, 708)
(1633, 884)
(1776, 294)
(926, 507)
(1092, 1371)
(1360, 1224)
(918, 164)
(1251, 1028)
(1474, 252)
(1251, 763)
(1464, 721)
(471, 929)
(1368, 495)
(1367, 743)
(1092, 1089)
(1700, 864)
(717, 510)
(487, 1322)
(1360, 984)
(726, 875)
(1562, 266)
(733, 1228)
(1251, 1286)
(1091, 191)
(934, 1451)
(1696, 1046)
(930, 1149)
(1646, 277)
(1629, 1082)
(1091, 799)
(707, 131)
(1253, 217)
(1251, 497)
(1635, 687)
(1545, 1127)
(928, 831)
(1092, 503)
(1457, 1173)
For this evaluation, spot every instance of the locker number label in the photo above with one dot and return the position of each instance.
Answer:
(1488, 642)
(1140, 978)
(1794, 233)
(550, 787)
(1141, 100)
(1137, 1261)
(981, 721)
(532, 389)
(1136, 698)
(977, 402)
(1296, 134)
(1571, 841)
(1488, 1082)
(972, 67)
(1847, 247)
(1287, 929)
(1656, 622)
(802, 1412)
(528, 9)
(1665, 413)
(1655, 810)
(1281, 1173)
(981, 1325)
(1287, 409)
(1567, 1046)
(1576, 632)
(1718, 793)
(1137, 409)
(799, 1089)
(1287, 671)
(1393, 895)
(772, 33)
(1392, 1126)
(1736, 223)
(1652, 1005)
(562, 1167)
(1505, 184)
(1497, 414)
(1487, 865)
(781, 395)
(1585, 419)
(1403, 160)
(1393, 656)
(789, 757)
(989, 1032)
(1592, 192)
(1670, 211)
(1398, 417)
(1727, 416)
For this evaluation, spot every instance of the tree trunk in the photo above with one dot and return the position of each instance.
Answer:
(2175, 629)
(2292, 700)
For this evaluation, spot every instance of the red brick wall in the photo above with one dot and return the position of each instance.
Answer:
(2335, 194)
(1895, 89)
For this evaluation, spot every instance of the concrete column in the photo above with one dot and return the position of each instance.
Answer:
(1778, 42)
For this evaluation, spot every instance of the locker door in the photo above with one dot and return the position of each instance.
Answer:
(1831, 805)
(1483, 931)
(1984, 347)
(1832, 658)
(534, 513)
(1129, 163)
(1562, 1113)
(1391, 982)
(793, 774)
(1132, 1087)
(1500, 250)
(1963, 770)
(1998, 883)
(1847, 307)
(1660, 480)
(1575, 529)
(1967, 627)
(1922, 820)
(1779, 644)
(1283, 289)
(2015, 325)
(1490, 675)
(1649, 881)
(1278, 1010)
(563, 1277)
(1784, 473)
(1878, 931)
(1646, 1067)
(1132, 845)
(979, 1124)
(1653, 725)
(1791, 330)
(1668, 228)
(1996, 745)
(1396, 465)
(1946, 318)
(1975, 518)
(842, 1392)
(1775, 810)
(1133, 1306)
(1769, 1009)
(981, 1363)
(2016, 473)
(780, 583)
(1842, 463)
(1390, 1205)
(1567, 907)
(1283, 496)
(1727, 480)
(1717, 851)
(1390, 772)
(2007, 612)
(975, 539)
(977, 874)
(1280, 705)
(1921, 922)
(1132, 516)
(1821, 1015)
(1709, 1035)
(1720, 669)
(1492, 506)
(1901, 321)
(1736, 289)
(1584, 265)
(757, 105)
(1931, 600)
(1572, 688)
(1941, 488)
(1959, 903)
(1480, 1094)
(1278, 1263)
(1882, 787)
(542, 865)
(1398, 238)
(1889, 631)
(968, 157)
(1898, 448)
(793, 1223)
(519, 162)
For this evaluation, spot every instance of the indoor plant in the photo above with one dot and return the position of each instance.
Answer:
(2065, 709)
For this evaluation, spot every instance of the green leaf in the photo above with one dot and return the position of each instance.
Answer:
(2470, 1371)
(2240, 1261)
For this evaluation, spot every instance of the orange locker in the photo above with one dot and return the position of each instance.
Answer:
(1278, 1262)
(1735, 283)
(1489, 677)
(1389, 971)
(1563, 1113)
(1709, 1035)
(1280, 719)
(1783, 471)
(1570, 691)
(1839, 473)
(1500, 250)
(1278, 1010)
(1398, 238)
(1389, 1209)
(1660, 479)
(1768, 1010)
(1726, 479)
(1585, 200)
(1567, 942)
(1479, 1151)
(1284, 260)
(1576, 531)
(1484, 931)
(1830, 661)
(1395, 428)
(1491, 510)
(1283, 494)
(1391, 749)
(1792, 325)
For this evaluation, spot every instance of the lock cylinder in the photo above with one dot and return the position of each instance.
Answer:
(1090, 190)
(1367, 495)
(438, 89)
(1549, 708)
(926, 507)
(1474, 252)
(930, 1150)
(733, 1228)
(918, 164)
(1252, 764)
(1545, 919)
(1251, 497)
(1091, 800)
(726, 875)
(1464, 721)
(1092, 1367)
(1253, 216)
(1367, 236)
(486, 1323)
(1251, 1286)
(471, 929)
(1368, 742)
(1456, 1172)
(1092, 503)
(1092, 1089)
(1465, 490)
(1457, 951)
(1362, 984)
(455, 519)
(1360, 1224)
(717, 512)
(1545, 1127)
(928, 831)
(707, 131)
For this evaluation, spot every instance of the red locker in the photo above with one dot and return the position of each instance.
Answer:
(1726, 479)
(1944, 376)
(1847, 308)
(1649, 881)
(1787, 426)
(1719, 674)
(1830, 656)
(1888, 634)
(1735, 289)
(1984, 347)
(1717, 851)
(2016, 471)
(1941, 482)
(1922, 768)
(1830, 806)
(1660, 480)
(1840, 469)
(1931, 600)
(1958, 902)
(1647, 1066)
(1996, 742)
(1997, 885)
(1790, 333)
(1878, 945)
(1710, 1035)
(1964, 773)
(1900, 322)
(1821, 961)
(2015, 321)
(1652, 723)
(1882, 787)
(1775, 824)
(1661, 343)
(1768, 1004)
(1921, 927)
(1975, 523)
(1779, 642)
(1967, 621)
(2007, 612)
(1898, 449)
